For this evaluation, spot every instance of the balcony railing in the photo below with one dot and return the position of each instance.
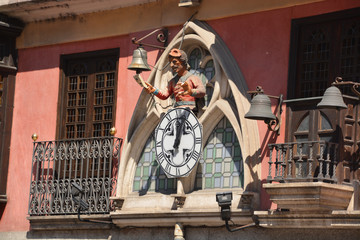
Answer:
(90, 163)
(303, 161)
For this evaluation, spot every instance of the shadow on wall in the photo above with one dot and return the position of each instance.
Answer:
(2, 209)
(259, 157)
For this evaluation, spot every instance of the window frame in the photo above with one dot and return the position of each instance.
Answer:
(8, 70)
(296, 24)
(64, 60)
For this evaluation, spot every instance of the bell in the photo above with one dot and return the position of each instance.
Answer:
(332, 99)
(139, 61)
(260, 108)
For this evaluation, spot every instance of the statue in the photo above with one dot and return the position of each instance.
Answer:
(185, 86)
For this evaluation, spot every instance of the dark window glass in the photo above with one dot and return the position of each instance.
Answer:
(323, 48)
(89, 94)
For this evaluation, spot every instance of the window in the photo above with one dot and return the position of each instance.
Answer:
(202, 65)
(222, 164)
(88, 103)
(88, 94)
(7, 88)
(149, 176)
(323, 48)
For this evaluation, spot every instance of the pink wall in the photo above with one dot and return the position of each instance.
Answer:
(35, 110)
(259, 43)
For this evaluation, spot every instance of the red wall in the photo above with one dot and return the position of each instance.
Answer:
(259, 43)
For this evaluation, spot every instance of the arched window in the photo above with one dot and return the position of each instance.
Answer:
(149, 177)
(195, 58)
(202, 65)
(222, 162)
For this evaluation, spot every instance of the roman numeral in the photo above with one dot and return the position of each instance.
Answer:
(178, 172)
(161, 157)
(196, 125)
(158, 144)
(168, 168)
(168, 117)
(198, 140)
(195, 155)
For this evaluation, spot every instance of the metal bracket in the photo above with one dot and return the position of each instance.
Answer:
(162, 37)
(273, 125)
(338, 81)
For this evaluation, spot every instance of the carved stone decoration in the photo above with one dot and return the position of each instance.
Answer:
(179, 201)
(117, 202)
(229, 99)
(246, 201)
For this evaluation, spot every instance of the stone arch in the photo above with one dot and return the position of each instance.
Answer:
(229, 99)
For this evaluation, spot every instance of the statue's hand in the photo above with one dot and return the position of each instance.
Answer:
(150, 88)
(187, 88)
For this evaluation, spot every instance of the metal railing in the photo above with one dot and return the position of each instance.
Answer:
(90, 163)
(303, 161)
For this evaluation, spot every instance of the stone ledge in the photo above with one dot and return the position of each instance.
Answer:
(68, 222)
(310, 196)
(170, 218)
(151, 218)
(335, 219)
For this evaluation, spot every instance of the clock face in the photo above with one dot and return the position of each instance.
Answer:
(178, 142)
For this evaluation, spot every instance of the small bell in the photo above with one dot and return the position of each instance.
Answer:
(332, 99)
(260, 108)
(139, 61)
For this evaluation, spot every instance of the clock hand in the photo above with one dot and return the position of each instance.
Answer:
(180, 122)
(179, 125)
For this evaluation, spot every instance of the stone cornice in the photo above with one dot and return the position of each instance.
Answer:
(283, 219)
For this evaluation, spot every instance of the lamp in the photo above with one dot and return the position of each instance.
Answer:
(260, 109)
(224, 201)
(332, 96)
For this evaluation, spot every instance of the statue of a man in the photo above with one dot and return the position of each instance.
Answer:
(185, 86)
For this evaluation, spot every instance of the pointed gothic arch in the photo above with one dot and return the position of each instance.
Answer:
(229, 99)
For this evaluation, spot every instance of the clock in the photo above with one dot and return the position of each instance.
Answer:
(178, 139)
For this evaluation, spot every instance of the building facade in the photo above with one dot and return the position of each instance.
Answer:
(79, 144)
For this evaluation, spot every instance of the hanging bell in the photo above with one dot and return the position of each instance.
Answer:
(332, 99)
(139, 61)
(260, 108)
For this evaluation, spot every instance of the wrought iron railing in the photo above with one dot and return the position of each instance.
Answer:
(90, 163)
(303, 161)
